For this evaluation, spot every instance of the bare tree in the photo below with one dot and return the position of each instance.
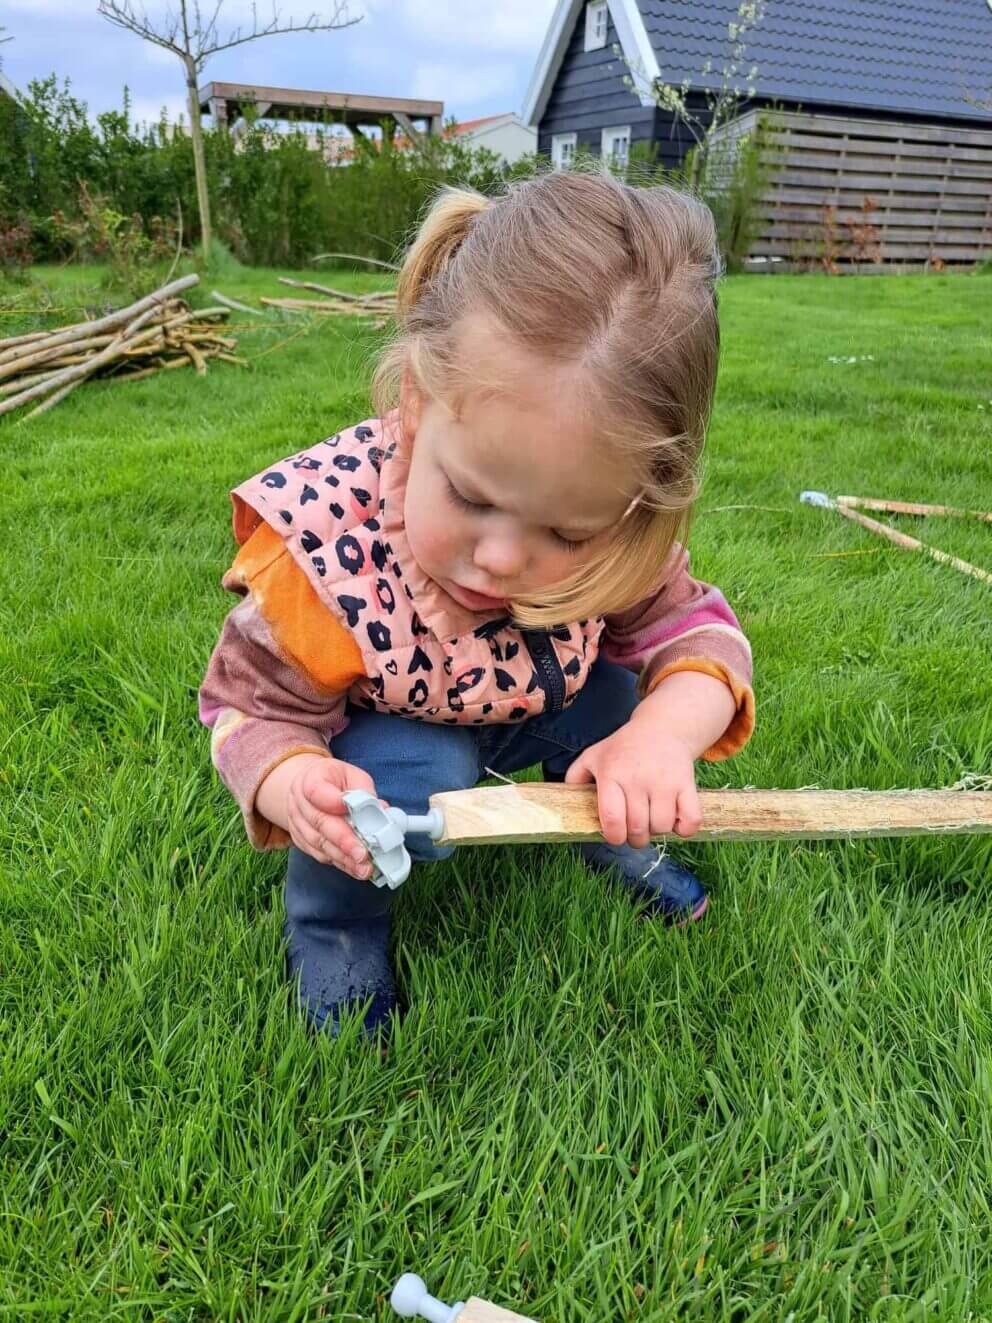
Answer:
(191, 34)
(723, 101)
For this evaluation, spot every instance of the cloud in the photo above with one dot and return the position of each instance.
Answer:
(477, 56)
(511, 26)
(148, 109)
(454, 83)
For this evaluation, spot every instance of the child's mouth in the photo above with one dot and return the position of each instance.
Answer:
(475, 601)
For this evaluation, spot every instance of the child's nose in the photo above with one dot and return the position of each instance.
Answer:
(501, 557)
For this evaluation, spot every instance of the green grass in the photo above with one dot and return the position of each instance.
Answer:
(783, 1114)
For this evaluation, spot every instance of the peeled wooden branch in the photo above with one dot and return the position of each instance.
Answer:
(531, 812)
(141, 336)
(911, 508)
(325, 306)
(356, 257)
(123, 316)
(233, 303)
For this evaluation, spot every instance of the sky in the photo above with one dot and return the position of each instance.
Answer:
(477, 56)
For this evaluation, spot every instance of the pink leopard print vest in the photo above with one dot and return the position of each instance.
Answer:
(339, 509)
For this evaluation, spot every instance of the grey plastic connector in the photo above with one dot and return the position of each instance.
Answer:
(816, 498)
(384, 831)
(411, 1298)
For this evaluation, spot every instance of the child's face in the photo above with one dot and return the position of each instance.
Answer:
(514, 494)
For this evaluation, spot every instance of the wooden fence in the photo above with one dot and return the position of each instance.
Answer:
(860, 194)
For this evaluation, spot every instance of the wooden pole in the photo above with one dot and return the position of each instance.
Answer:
(911, 508)
(531, 812)
(481, 1311)
(911, 543)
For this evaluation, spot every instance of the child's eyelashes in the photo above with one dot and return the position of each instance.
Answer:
(480, 507)
(457, 498)
(570, 544)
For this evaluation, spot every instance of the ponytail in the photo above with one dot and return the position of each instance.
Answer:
(447, 225)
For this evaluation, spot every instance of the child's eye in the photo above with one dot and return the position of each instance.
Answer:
(455, 495)
(572, 543)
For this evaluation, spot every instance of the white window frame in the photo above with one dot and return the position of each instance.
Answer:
(597, 24)
(611, 139)
(563, 147)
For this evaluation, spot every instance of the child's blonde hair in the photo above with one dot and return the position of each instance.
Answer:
(586, 270)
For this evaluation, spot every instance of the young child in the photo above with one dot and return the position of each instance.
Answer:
(489, 574)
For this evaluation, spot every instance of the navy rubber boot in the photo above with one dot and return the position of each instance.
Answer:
(337, 955)
(668, 891)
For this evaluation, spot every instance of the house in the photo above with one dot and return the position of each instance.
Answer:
(506, 135)
(880, 102)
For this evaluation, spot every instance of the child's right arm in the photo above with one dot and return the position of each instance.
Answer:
(305, 797)
(274, 697)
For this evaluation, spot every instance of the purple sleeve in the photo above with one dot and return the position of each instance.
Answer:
(261, 710)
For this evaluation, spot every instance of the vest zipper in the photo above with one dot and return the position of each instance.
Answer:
(549, 672)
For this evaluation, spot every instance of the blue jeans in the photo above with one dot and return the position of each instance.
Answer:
(411, 760)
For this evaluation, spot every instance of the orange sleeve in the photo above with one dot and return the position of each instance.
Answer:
(302, 626)
(741, 726)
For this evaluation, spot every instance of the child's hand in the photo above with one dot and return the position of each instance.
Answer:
(645, 784)
(317, 814)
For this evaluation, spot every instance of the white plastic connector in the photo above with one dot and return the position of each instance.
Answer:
(817, 498)
(411, 1298)
(384, 831)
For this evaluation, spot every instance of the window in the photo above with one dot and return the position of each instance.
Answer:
(597, 18)
(615, 146)
(562, 150)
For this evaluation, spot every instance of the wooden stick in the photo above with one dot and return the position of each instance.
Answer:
(910, 508)
(356, 257)
(323, 306)
(114, 319)
(13, 340)
(45, 354)
(72, 377)
(233, 303)
(529, 812)
(196, 358)
(481, 1311)
(321, 289)
(912, 544)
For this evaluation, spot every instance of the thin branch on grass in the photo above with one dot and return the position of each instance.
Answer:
(356, 257)
(233, 303)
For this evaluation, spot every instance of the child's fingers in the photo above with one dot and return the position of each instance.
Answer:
(612, 806)
(325, 789)
(333, 833)
(579, 774)
(329, 854)
(638, 818)
(689, 813)
(326, 796)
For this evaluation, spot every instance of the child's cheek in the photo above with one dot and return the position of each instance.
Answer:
(432, 542)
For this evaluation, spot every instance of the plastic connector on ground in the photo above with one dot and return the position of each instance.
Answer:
(411, 1299)
(384, 831)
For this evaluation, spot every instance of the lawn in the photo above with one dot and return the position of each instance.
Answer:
(784, 1113)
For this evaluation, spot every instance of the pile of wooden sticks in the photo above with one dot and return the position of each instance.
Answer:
(338, 303)
(155, 334)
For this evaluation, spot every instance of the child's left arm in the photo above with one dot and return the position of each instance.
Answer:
(694, 668)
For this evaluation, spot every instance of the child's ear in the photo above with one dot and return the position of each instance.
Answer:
(410, 408)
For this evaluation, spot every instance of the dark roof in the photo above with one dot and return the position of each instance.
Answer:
(919, 57)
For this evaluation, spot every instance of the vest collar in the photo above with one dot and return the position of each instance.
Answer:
(438, 610)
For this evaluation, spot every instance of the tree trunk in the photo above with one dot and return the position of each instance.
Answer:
(199, 159)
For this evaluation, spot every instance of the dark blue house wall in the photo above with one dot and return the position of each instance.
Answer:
(589, 95)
